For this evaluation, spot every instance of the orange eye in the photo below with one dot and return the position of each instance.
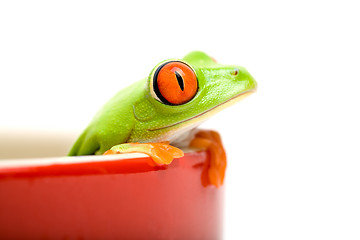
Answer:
(175, 83)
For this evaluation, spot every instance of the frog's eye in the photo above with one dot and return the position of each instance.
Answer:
(174, 83)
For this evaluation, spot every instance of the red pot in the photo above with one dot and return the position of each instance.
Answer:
(108, 197)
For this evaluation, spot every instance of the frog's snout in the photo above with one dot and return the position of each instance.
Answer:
(242, 75)
(253, 85)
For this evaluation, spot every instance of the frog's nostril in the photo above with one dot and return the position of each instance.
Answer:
(235, 71)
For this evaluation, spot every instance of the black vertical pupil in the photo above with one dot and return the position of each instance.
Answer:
(180, 80)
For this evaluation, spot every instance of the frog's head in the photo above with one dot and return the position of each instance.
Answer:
(184, 92)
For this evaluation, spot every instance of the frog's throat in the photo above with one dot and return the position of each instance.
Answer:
(209, 112)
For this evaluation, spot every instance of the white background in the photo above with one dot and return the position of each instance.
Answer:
(293, 147)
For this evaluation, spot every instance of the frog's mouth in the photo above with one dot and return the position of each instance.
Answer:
(208, 113)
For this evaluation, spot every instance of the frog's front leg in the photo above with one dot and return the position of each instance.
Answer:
(214, 169)
(161, 153)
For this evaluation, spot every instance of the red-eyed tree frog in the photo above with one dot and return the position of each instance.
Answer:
(158, 114)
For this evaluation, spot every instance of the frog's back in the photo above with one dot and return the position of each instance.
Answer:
(112, 125)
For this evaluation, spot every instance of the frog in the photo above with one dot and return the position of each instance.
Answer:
(160, 114)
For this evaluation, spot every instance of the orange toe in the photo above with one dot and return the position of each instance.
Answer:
(161, 153)
(214, 169)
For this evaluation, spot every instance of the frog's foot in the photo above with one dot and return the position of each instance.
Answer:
(161, 153)
(214, 169)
